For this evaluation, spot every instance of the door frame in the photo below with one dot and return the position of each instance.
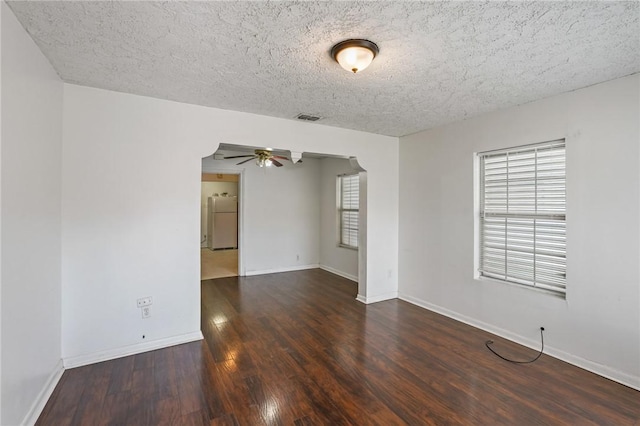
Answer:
(241, 211)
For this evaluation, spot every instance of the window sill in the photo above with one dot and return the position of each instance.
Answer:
(348, 247)
(562, 296)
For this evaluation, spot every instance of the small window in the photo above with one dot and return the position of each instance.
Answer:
(523, 216)
(348, 206)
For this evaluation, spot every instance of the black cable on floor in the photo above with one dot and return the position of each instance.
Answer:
(490, 342)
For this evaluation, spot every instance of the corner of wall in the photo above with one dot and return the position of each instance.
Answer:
(41, 400)
(31, 92)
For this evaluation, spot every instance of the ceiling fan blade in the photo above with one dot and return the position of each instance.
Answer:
(248, 159)
(280, 157)
(239, 156)
(276, 162)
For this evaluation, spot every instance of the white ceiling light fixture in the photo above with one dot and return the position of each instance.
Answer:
(354, 55)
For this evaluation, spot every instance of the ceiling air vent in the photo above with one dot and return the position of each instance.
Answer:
(307, 117)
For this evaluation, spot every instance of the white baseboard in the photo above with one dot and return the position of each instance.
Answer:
(79, 361)
(283, 269)
(594, 367)
(377, 298)
(41, 400)
(339, 273)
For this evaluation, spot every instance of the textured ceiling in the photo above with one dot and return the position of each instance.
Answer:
(439, 62)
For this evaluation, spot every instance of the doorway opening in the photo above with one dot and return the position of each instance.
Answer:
(289, 215)
(219, 244)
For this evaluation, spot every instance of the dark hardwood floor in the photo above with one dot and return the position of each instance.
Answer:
(298, 349)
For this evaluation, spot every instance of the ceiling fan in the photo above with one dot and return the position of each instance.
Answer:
(263, 157)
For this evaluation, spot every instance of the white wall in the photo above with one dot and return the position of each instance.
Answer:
(30, 232)
(340, 260)
(280, 214)
(1, 19)
(130, 216)
(598, 326)
(210, 188)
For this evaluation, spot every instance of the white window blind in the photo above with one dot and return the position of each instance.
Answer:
(349, 203)
(523, 216)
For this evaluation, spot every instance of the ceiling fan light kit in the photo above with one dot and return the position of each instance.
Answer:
(264, 161)
(354, 55)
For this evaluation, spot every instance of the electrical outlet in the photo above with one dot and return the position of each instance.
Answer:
(146, 311)
(145, 301)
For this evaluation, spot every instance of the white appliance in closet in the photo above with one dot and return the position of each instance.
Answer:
(222, 222)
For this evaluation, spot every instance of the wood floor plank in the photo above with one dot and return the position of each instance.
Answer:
(166, 411)
(164, 375)
(65, 399)
(93, 394)
(297, 348)
(122, 375)
(115, 409)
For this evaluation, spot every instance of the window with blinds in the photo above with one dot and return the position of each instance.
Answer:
(348, 205)
(523, 216)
